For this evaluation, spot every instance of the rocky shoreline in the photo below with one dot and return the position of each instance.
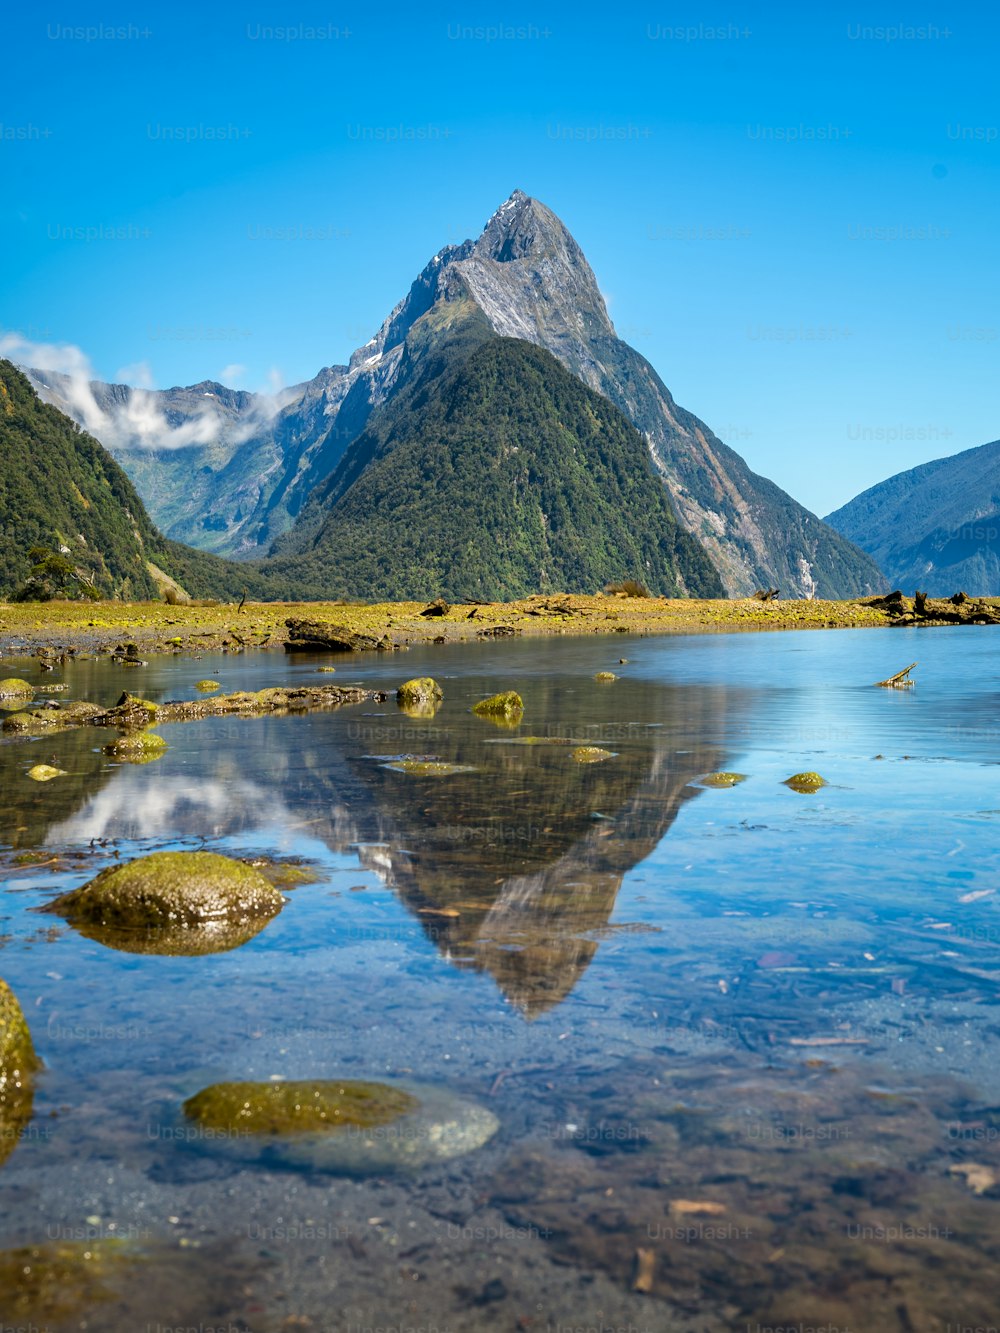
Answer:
(127, 630)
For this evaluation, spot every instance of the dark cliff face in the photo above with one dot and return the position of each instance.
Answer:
(935, 527)
(243, 477)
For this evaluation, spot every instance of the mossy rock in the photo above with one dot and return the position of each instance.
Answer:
(421, 690)
(805, 783)
(297, 1108)
(207, 685)
(428, 768)
(507, 705)
(14, 688)
(18, 1063)
(327, 669)
(352, 1128)
(721, 779)
(531, 740)
(591, 754)
(170, 890)
(45, 773)
(605, 677)
(62, 1280)
(138, 747)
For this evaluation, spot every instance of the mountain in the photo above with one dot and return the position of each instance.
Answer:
(71, 522)
(232, 472)
(935, 527)
(493, 474)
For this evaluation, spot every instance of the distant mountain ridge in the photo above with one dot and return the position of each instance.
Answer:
(241, 492)
(935, 527)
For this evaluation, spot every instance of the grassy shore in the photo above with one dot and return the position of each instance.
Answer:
(156, 627)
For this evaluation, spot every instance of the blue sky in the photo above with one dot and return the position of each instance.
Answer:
(793, 215)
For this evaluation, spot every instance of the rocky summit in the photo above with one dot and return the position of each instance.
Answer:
(231, 472)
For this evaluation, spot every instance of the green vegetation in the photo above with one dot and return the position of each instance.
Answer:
(494, 474)
(73, 526)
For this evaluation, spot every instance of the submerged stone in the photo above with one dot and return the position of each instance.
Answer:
(171, 889)
(297, 1108)
(14, 688)
(61, 1279)
(139, 747)
(18, 1063)
(591, 754)
(353, 1128)
(45, 773)
(721, 779)
(804, 783)
(428, 768)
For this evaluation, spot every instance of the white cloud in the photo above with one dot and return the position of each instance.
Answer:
(232, 374)
(138, 420)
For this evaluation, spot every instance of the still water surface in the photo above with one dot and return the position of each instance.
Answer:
(741, 1042)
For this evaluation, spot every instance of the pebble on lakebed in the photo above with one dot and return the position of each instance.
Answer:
(805, 783)
(172, 902)
(353, 1127)
(18, 1063)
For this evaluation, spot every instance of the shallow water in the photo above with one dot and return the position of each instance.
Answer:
(741, 1041)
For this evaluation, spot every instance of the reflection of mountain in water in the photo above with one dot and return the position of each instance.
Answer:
(511, 868)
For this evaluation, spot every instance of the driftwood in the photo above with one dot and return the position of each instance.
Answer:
(900, 681)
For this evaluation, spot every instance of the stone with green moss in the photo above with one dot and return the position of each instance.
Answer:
(805, 783)
(509, 704)
(591, 754)
(207, 685)
(297, 1107)
(605, 676)
(172, 890)
(421, 690)
(18, 1063)
(427, 768)
(354, 1128)
(62, 1280)
(137, 747)
(14, 688)
(45, 773)
(722, 779)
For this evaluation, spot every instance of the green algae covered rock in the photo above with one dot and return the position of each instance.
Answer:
(591, 754)
(428, 768)
(206, 685)
(18, 1063)
(171, 889)
(61, 1279)
(605, 676)
(351, 1128)
(506, 705)
(419, 691)
(721, 779)
(297, 1108)
(45, 773)
(14, 688)
(805, 783)
(137, 747)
